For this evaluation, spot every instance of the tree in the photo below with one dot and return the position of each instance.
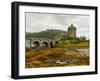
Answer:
(82, 38)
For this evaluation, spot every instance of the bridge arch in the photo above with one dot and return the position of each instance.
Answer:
(51, 44)
(45, 44)
(35, 44)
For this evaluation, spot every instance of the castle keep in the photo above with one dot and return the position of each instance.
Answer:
(71, 34)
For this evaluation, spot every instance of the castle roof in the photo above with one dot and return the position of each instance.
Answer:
(71, 27)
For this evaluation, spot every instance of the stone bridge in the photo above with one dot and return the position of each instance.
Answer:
(40, 42)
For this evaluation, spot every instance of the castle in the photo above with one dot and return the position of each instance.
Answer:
(71, 33)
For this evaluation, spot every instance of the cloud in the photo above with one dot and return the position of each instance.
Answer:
(36, 22)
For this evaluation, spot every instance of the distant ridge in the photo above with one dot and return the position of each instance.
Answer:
(49, 33)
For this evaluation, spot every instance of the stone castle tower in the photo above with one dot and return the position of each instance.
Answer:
(71, 32)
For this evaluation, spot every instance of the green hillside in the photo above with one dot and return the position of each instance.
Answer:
(49, 33)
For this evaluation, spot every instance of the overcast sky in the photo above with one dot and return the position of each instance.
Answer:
(36, 22)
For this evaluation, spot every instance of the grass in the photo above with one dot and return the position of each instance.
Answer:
(74, 45)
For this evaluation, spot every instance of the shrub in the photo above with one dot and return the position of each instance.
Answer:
(75, 41)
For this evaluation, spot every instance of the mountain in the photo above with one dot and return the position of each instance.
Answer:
(49, 33)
